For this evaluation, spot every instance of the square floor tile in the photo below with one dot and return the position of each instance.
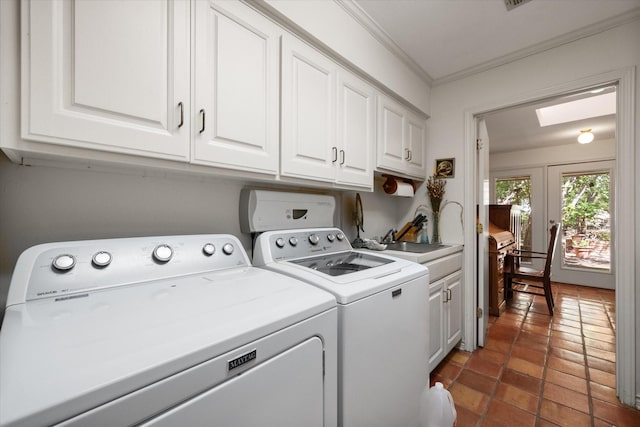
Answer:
(509, 415)
(567, 366)
(525, 367)
(603, 378)
(522, 381)
(565, 380)
(617, 414)
(517, 397)
(566, 397)
(484, 367)
(563, 415)
(469, 398)
(557, 342)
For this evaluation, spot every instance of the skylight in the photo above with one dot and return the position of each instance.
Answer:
(586, 108)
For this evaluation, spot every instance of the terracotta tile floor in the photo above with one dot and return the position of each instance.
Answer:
(541, 370)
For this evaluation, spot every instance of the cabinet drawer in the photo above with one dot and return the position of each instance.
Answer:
(444, 266)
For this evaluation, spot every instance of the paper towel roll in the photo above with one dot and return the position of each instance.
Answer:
(403, 190)
(395, 187)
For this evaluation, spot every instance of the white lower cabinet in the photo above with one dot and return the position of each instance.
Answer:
(445, 316)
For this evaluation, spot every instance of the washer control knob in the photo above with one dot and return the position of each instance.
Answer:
(208, 249)
(280, 242)
(293, 241)
(331, 237)
(314, 239)
(228, 249)
(162, 253)
(340, 236)
(64, 262)
(101, 259)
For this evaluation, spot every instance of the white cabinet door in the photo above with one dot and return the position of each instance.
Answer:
(391, 135)
(236, 88)
(436, 324)
(453, 310)
(356, 130)
(107, 78)
(416, 136)
(445, 317)
(308, 112)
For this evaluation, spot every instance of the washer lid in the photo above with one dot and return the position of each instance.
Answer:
(60, 358)
(338, 264)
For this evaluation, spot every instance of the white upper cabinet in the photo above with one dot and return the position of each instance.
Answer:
(401, 139)
(356, 130)
(107, 78)
(416, 138)
(328, 119)
(308, 112)
(236, 88)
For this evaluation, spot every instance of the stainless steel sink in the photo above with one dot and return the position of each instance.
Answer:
(414, 247)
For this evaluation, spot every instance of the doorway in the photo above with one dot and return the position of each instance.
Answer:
(625, 190)
(580, 196)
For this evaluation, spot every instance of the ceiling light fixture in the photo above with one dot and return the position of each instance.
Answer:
(585, 137)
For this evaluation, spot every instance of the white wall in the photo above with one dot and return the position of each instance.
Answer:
(611, 50)
(597, 150)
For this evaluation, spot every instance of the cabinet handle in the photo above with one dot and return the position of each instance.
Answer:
(181, 105)
(407, 154)
(335, 154)
(341, 157)
(448, 294)
(410, 155)
(202, 117)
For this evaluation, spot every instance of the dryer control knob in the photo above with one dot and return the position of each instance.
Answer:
(280, 242)
(64, 262)
(227, 249)
(331, 237)
(314, 239)
(162, 253)
(101, 259)
(208, 249)
(340, 236)
(293, 241)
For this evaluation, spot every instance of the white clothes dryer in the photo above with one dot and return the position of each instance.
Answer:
(174, 330)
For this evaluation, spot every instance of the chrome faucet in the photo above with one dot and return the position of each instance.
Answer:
(390, 236)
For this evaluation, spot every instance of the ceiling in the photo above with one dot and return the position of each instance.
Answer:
(450, 39)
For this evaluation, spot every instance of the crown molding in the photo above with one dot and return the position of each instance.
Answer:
(368, 23)
(544, 46)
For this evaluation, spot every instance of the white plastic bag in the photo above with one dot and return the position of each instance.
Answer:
(437, 408)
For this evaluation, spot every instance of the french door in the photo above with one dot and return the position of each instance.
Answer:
(580, 196)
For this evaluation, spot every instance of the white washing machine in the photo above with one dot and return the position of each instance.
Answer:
(175, 330)
(382, 318)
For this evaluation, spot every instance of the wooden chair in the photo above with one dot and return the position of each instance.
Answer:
(515, 274)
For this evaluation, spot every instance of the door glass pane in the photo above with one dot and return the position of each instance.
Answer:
(586, 220)
(517, 191)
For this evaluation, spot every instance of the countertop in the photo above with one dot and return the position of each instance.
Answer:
(421, 258)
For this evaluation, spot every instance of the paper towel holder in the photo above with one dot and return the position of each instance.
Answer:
(390, 186)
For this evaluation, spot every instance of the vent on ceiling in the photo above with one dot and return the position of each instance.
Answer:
(512, 4)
